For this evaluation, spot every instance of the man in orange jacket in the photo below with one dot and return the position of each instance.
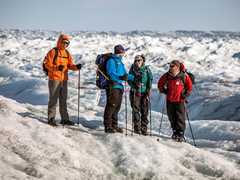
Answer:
(57, 62)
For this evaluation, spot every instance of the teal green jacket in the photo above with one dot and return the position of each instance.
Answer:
(142, 81)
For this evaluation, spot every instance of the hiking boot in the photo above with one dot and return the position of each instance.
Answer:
(179, 136)
(144, 133)
(109, 130)
(137, 131)
(118, 129)
(67, 122)
(174, 135)
(52, 122)
(180, 139)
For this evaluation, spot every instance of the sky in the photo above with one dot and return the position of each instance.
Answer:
(121, 15)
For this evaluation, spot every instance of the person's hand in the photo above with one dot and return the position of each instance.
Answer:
(164, 90)
(148, 93)
(184, 94)
(60, 67)
(79, 66)
(138, 85)
(124, 77)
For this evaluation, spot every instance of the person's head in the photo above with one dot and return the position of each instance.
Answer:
(139, 60)
(174, 66)
(119, 50)
(63, 41)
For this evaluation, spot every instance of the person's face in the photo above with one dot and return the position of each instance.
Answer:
(65, 44)
(122, 54)
(173, 68)
(138, 61)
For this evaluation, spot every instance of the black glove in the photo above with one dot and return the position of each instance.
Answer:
(79, 66)
(124, 77)
(184, 94)
(60, 67)
(164, 91)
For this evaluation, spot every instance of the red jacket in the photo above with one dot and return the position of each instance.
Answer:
(174, 88)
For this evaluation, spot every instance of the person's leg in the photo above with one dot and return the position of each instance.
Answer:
(180, 119)
(136, 116)
(118, 93)
(171, 112)
(54, 91)
(109, 110)
(144, 114)
(63, 104)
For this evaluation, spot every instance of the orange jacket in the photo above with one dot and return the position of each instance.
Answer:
(63, 58)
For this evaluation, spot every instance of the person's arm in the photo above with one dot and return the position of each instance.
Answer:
(111, 70)
(150, 79)
(48, 61)
(161, 84)
(131, 80)
(187, 86)
(70, 65)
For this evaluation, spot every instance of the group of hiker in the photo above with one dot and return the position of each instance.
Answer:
(175, 83)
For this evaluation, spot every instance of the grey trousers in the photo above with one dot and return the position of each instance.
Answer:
(57, 90)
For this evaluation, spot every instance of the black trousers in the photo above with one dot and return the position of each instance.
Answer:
(140, 107)
(114, 101)
(176, 114)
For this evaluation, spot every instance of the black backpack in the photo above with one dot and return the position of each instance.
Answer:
(192, 77)
(102, 78)
(45, 70)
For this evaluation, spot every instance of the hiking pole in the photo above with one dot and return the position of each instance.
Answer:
(160, 125)
(134, 93)
(150, 108)
(194, 143)
(126, 106)
(78, 94)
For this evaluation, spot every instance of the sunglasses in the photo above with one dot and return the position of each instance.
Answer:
(138, 60)
(172, 65)
(66, 42)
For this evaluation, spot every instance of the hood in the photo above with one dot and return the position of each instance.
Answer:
(61, 38)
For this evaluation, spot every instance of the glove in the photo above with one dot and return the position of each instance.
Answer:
(79, 66)
(184, 94)
(164, 91)
(60, 67)
(124, 77)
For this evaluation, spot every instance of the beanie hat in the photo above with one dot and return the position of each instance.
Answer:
(119, 49)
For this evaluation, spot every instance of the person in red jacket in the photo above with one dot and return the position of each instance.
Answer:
(177, 85)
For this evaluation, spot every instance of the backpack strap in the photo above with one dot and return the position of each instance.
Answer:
(182, 77)
(55, 56)
(68, 54)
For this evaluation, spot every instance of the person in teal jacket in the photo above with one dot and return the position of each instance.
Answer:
(139, 94)
(117, 76)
